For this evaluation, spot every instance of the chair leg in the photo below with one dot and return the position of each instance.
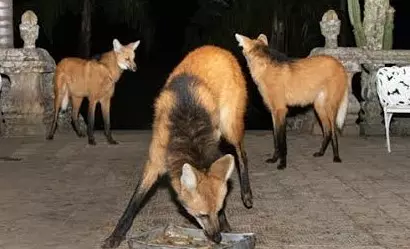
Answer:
(387, 119)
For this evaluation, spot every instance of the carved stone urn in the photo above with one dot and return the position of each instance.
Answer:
(330, 28)
(29, 29)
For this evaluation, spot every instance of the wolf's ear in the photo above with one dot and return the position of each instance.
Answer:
(188, 177)
(223, 167)
(117, 45)
(135, 45)
(263, 38)
(241, 39)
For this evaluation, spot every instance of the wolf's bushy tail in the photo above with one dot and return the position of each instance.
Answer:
(64, 103)
(342, 112)
(61, 90)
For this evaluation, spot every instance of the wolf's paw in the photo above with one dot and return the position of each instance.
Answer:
(112, 141)
(112, 242)
(318, 154)
(337, 159)
(247, 199)
(92, 142)
(281, 166)
(273, 159)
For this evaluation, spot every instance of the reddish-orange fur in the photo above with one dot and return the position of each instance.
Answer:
(77, 78)
(224, 78)
(221, 90)
(318, 80)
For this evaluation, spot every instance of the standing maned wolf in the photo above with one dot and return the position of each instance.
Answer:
(282, 82)
(77, 78)
(203, 99)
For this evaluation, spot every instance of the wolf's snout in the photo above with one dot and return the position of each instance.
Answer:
(215, 237)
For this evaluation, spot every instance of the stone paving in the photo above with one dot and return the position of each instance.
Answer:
(66, 194)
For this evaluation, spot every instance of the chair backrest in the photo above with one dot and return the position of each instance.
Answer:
(393, 86)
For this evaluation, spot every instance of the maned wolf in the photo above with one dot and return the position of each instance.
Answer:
(77, 78)
(282, 82)
(202, 101)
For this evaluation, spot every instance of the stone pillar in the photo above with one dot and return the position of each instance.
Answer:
(27, 98)
(375, 13)
(24, 99)
(6, 24)
(371, 112)
(2, 81)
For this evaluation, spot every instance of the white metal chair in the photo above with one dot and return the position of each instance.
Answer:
(393, 89)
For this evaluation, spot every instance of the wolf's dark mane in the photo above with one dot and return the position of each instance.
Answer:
(191, 137)
(96, 57)
(273, 54)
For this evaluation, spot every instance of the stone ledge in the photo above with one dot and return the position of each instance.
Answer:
(363, 56)
(21, 60)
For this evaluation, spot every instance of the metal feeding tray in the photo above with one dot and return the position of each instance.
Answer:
(175, 237)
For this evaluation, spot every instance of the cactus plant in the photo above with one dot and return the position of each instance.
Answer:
(359, 26)
(355, 17)
(388, 29)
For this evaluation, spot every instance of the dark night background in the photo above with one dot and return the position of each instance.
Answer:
(169, 29)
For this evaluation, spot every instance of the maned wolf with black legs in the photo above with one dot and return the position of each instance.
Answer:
(203, 99)
(318, 80)
(77, 78)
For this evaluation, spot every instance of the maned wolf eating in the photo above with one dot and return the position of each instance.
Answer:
(77, 78)
(203, 100)
(282, 82)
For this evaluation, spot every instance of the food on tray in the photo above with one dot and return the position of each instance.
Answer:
(174, 239)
